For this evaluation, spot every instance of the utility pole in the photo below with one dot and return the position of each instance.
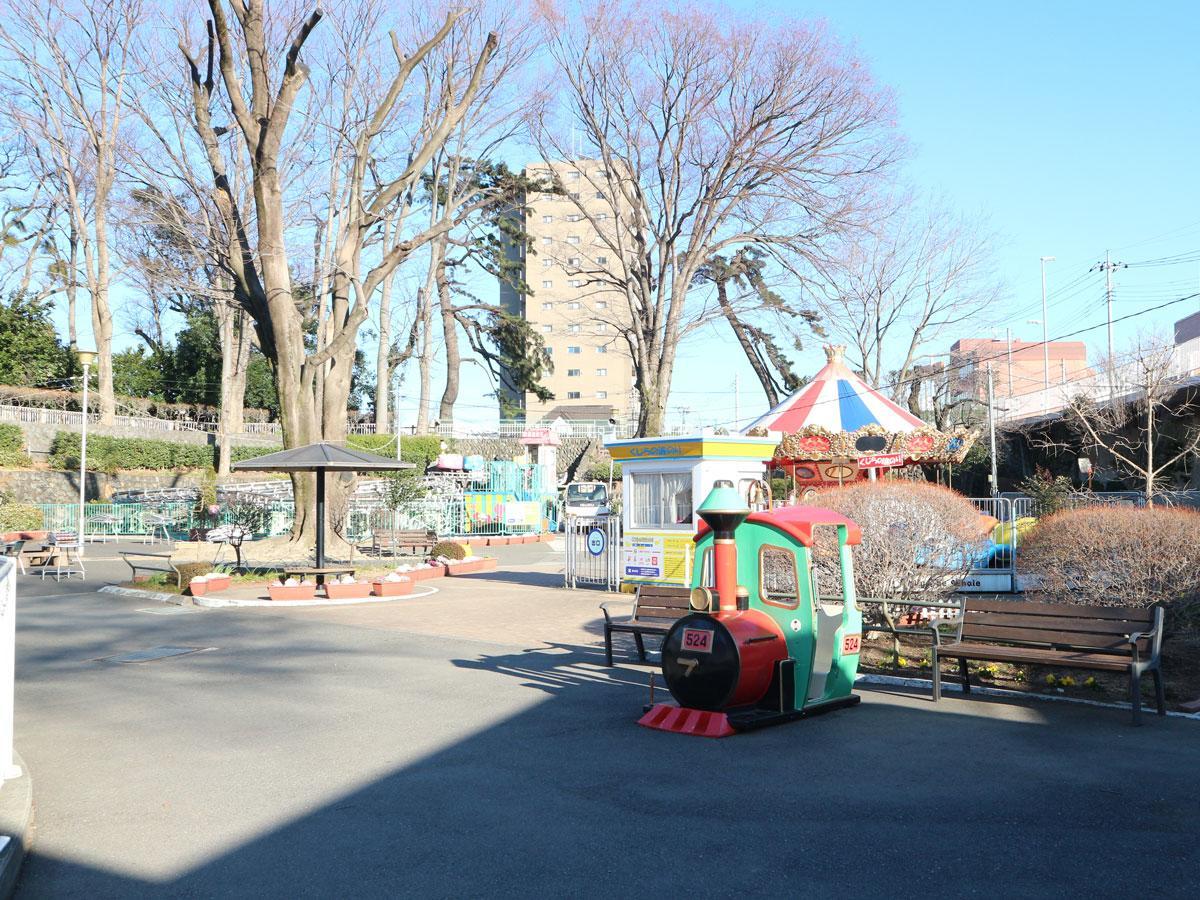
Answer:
(1008, 336)
(1045, 330)
(1107, 267)
(992, 428)
(737, 410)
(396, 417)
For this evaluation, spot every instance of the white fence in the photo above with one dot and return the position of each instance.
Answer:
(8, 664)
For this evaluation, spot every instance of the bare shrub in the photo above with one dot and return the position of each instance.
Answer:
(918, 542)
(1119, 556)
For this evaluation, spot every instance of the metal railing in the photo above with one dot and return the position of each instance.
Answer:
(8, 664)
(593, 551)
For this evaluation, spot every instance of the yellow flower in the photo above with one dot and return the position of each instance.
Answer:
(1067, 681)
(1050, 679)
(901, 661)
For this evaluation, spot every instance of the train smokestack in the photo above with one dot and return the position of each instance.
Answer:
(723, 510)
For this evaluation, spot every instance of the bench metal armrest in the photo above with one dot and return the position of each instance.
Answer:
(632, 604)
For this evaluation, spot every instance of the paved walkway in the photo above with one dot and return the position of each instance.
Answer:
(472, 744)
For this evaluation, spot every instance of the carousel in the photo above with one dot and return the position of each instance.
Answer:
(838, 429)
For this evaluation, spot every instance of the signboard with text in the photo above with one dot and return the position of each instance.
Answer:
(644, 557)
(881, 461)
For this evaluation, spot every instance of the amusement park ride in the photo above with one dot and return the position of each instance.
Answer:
(762, 645)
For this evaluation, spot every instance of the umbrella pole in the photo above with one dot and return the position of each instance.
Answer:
(320, 518)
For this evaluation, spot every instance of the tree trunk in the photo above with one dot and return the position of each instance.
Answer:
(72, 288)
(383, 367)
(102, 322)
(756, 363)
(425, 357)
(235, 359)
(1149, 453)
(450, 336)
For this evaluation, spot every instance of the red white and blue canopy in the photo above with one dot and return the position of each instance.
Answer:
(839, 401)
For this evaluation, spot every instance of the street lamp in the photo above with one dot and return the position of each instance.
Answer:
(86, 358)
(1045, 333)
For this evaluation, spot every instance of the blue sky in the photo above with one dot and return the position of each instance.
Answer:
(1073, 127)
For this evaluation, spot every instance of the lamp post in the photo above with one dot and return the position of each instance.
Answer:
(86, 358)
(1045, 332)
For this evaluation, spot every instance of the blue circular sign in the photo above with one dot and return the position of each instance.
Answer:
(596, 541)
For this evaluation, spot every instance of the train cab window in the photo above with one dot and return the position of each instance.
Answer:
(778, 582)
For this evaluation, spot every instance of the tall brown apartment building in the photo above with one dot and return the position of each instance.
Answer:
(570, 305)
(1018, 367)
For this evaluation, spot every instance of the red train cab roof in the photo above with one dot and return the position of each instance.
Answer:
(798, 522)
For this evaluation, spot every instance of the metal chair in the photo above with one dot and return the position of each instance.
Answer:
(13, 549)
(156, 524)
(103, 527)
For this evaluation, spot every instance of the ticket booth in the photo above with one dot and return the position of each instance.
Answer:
(662, 479)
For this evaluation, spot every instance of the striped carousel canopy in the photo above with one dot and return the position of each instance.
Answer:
(838, 400)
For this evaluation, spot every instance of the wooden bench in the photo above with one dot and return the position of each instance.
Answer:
(655, 609)
(390, 542)
(1106, 638)
(155, 566)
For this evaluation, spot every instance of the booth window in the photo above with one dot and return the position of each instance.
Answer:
(662, 500)
(779, 585)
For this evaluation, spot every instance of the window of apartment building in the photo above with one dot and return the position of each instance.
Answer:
(547, 241)
(600, 373)
(603, 348)
(572, 395)
(546, 220)
(547, 328)
(575, 282)
(574, 176)
(573, 349)
(547, 262)
(601, 327)
(549, 351)
(601, 304)
(547, 306)
(573, 261)
(601, 260)
(573, 239)
(599, 195)
(601, 395)
(547, 284)
(600, 217)
(574, 329)
(574, 195)
(574, 373)
(573, 305)
(574, 217)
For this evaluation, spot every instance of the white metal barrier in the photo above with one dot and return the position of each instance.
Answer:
(998, 574)
(8, 663)
(593, 551)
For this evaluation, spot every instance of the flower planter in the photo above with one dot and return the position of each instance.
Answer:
(292, 591)
(471, 566)
(198, 586)
(219, 582)
(391, 588)
(338, 591)
(425, 572)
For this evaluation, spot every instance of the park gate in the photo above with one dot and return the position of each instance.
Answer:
(593, 552)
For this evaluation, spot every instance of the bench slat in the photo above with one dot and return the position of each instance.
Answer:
(1036, 656)
(1039, 636)
(1032, 608)
(1056, 623)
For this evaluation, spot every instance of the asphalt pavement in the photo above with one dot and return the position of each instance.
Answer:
(295, 755)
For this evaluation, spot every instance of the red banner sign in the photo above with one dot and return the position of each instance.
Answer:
(881, 461)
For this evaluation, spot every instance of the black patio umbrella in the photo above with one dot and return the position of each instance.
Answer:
(321, 458)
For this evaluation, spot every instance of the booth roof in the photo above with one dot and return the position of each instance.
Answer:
(321, 456)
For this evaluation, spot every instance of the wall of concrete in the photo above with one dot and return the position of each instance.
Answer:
(47, 486)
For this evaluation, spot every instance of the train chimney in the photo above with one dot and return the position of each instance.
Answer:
(724, 511)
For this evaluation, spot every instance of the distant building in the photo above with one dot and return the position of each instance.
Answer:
(570, 305)
(1017, 368)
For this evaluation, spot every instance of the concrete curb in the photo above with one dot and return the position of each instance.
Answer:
(926, 684)
(176, 599)
(16, 826)
(229, 602)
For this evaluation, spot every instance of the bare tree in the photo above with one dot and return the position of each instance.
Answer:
(892, 293)
(709, 135)
(261, 76)
(74, 63)
(1146, 427)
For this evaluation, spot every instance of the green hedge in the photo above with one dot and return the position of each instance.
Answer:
(420, 450)
(109, 454)
(12, 446)
(20, 517)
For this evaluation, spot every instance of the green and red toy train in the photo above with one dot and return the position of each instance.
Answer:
(764, 643)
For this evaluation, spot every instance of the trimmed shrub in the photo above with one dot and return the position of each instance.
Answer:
(237, 454)
(20, 517)
(1119, 556)
(918, 539)
(193, 570)
(109, 454)
(12, 446)
(449, 550)
(420, 450)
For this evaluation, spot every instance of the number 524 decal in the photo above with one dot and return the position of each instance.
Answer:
(851, 643)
